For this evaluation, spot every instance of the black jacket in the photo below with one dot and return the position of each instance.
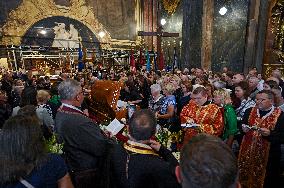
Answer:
(144, 170)
(84, 143)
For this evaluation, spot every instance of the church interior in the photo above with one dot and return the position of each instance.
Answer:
(141, 93)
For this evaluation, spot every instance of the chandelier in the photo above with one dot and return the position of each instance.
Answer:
(170, 5)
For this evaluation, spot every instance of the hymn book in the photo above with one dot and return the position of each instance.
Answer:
(114, 127)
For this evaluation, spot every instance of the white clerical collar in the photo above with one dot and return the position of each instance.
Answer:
(71, 106)
(266, 115)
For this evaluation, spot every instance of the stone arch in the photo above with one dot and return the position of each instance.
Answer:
(32, 11)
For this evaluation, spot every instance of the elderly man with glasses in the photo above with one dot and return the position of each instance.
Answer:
(85, 145)
(259, 156)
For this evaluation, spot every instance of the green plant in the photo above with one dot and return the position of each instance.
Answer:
(53, 146)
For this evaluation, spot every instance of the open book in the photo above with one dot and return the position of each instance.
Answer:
(190, 125)
(114, 127)
(254, 128)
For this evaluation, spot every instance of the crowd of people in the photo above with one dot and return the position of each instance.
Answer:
(232, 129)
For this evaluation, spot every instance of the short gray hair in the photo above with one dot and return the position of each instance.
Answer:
(68, 89)
(219, 84)
(155, 88)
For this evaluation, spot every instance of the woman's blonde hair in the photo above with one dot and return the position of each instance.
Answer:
(223, 93)
(169, 87)
(42, 96)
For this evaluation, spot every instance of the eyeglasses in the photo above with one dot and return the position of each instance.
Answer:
(260, 100)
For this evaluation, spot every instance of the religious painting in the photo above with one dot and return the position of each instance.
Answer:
(61, 32)
(119, 17)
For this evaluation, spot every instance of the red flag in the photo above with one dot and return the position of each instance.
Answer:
(161, 63)
(132, 61)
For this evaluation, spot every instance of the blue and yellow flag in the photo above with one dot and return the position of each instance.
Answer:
(148, 65)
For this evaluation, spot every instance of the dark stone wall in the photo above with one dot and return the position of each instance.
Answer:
(229, 35)
(192, 33)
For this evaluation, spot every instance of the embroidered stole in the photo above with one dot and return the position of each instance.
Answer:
(254, 150)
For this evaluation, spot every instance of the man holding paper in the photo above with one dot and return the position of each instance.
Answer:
(141, 161)
(85, 145)
(199, 116)
(259, 156)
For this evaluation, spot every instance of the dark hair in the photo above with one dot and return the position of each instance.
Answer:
(201, 90)
(142, 124)
(245, 86)
(269, 93)
(129, 84)
(141, 78)
(209, 85)
(218, 74)
(28, 96)
(230, 74)
(28, 110)
(54, 88)
(207, 162)
(22, 148)
(272, 84)
(187, 84)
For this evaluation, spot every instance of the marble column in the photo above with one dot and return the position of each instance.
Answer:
(207, 32)
(249, 58)
(192, 33)
(261, 33)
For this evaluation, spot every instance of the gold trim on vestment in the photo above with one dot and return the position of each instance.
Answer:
(134, 148)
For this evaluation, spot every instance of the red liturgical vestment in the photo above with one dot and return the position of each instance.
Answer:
(254, 150)
(209, 117)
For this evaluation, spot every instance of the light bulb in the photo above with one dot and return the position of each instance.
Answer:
(102, 34)
(223, 11)
(43, 32)
(163, 21)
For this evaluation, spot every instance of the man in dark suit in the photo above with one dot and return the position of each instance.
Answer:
(142, 162)
(85, 145)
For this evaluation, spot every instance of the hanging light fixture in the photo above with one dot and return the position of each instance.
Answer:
(223, 11)
(163, 21)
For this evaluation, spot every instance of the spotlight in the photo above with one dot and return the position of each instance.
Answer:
(43, 31)
(102, 34)
(223, 11)
(163, 21)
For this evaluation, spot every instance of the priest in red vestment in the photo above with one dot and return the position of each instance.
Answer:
(259, 156)
(200, 116)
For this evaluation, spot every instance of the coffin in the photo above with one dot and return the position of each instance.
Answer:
(104, 97)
